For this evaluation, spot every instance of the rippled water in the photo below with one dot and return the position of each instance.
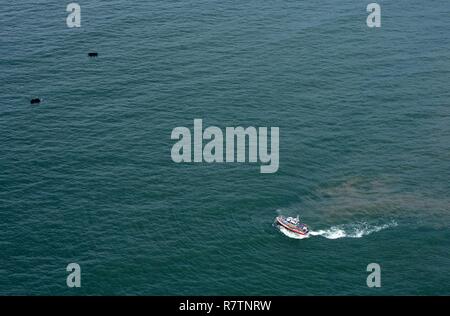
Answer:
(86, 176)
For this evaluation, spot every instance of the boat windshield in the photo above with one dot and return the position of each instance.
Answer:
(293, 220)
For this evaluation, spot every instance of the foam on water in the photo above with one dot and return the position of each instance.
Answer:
(353, 230)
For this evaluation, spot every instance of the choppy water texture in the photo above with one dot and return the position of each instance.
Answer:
(86, 176)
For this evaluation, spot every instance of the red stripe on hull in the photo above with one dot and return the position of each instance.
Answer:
(291, 229)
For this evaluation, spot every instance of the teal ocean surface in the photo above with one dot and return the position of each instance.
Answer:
(86, 176)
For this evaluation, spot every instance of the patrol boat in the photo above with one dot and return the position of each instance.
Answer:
(293, 224)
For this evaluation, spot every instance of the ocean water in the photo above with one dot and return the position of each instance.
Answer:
(87, 176)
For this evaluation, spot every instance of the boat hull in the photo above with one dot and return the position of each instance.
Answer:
(290, 227)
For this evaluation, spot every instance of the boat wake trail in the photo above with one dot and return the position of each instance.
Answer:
(355, 230)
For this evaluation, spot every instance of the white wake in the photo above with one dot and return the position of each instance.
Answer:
(354, 230)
